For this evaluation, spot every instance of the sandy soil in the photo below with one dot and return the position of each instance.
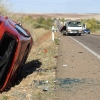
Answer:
(59, 15)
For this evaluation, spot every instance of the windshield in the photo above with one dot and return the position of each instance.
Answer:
(74, 24)
(21, 30)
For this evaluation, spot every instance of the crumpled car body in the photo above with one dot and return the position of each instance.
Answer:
(15, 45)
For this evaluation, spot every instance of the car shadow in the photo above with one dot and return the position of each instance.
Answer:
(28, 69)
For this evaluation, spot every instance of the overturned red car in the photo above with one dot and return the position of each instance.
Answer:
(15, 45)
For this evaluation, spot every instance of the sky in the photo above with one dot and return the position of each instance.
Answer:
(55, 6)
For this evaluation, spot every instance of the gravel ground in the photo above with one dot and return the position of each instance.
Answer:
(37, 81)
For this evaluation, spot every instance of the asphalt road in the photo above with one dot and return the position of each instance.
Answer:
(78, 68)
(91, 41)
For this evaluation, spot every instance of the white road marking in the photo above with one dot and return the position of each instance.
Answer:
(94, 53)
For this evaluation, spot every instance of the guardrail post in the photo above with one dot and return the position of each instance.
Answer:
(52, 35)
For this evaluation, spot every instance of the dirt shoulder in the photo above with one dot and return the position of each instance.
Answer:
(37, 81)
(77, 72)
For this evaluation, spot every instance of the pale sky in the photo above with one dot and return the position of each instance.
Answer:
(55, 6)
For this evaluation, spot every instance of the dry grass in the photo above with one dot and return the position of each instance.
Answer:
(37, 33)
(33, 80)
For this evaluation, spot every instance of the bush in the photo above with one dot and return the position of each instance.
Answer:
(92, 24)
(37, 25)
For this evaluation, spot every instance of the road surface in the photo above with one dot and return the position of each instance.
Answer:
(78, 68)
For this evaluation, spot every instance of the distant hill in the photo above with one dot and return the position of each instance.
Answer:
(58, 15)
